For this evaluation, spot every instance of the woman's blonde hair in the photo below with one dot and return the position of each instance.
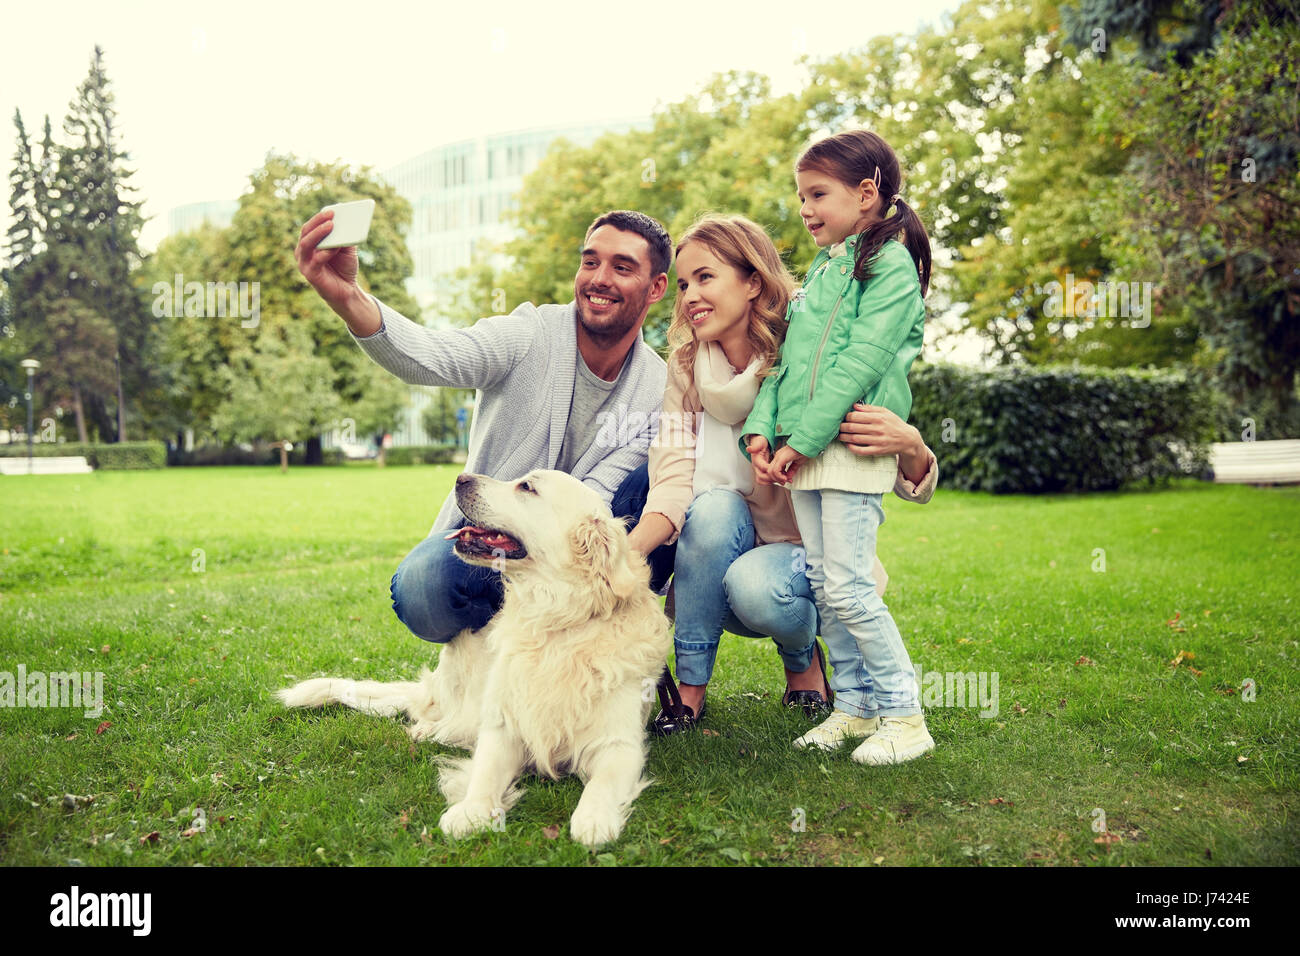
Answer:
(744, 246)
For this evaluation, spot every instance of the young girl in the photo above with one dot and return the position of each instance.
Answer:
(855, 327)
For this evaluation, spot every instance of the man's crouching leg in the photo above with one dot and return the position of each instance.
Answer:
(442, 599)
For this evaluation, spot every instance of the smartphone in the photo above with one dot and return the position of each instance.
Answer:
(351, 224)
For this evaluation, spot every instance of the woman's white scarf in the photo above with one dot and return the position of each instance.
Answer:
(725, 394)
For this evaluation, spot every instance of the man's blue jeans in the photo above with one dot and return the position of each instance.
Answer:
(437, 595)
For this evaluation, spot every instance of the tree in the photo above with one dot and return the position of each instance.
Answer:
(1211, 197)
(278, 391)
(439, 416)
(95, 215)
(74, 236)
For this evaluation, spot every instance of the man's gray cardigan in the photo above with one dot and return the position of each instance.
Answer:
(523, 366)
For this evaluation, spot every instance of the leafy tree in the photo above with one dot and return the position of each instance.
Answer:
(94, 214)
(278, 391)
(1211, 197)
(220, 365)
(439, 416)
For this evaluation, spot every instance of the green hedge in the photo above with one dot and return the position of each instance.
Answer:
(1042, 428)
(420, 455)
(202, 455)
(122, 456)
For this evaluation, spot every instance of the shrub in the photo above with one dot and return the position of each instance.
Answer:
(1042, 428)
(419, 455)
(121, 456)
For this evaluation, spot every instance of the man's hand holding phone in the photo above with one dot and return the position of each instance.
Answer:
(332, 272)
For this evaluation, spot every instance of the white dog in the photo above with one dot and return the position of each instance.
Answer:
(561, 679)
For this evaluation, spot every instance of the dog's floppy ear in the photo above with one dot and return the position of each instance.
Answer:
(600, 547)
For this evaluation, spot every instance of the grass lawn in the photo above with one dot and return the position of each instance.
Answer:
(198, 592)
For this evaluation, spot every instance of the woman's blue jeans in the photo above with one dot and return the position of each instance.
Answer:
(724, 583)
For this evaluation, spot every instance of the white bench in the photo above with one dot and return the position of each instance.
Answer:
(69, 465)
(1256, 462)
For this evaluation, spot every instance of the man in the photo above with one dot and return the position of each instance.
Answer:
(552, 380)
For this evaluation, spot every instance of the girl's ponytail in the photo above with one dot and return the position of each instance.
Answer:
(917, 241)
(903, 219)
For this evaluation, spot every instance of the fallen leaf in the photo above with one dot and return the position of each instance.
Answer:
(103, 727)
(1061, 703)
(878, 860)
(998, 801)
(192, 831)
(1018, 709)
(72, 736)
(665, 841)
(552, 832)
(1085, 662)
(149, 838)
(105, 649)
(403, 819)
(1109, 838)
(1241, 758)
(710, 733)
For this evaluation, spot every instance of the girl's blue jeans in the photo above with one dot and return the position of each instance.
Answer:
(873, 672)
(724, 583)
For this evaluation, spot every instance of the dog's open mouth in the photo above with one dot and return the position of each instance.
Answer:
(487, 543)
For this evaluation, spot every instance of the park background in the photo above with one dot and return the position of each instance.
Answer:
(1141, 620)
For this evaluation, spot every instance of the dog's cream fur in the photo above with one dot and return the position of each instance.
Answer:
(561, 679)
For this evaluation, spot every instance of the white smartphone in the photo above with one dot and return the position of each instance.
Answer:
(351, 224)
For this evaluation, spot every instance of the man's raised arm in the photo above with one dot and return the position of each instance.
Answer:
(476, 357)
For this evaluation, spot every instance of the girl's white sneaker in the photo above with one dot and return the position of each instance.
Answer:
(836, 729)
(897, 740)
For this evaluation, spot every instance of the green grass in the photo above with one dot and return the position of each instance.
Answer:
(98, 573)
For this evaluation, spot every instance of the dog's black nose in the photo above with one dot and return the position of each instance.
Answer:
(463, 478)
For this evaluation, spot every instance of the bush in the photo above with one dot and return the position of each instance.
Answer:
(1038, 429)
(419, 455)
(121, 456)
(260, 455)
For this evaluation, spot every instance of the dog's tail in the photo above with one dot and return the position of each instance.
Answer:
(384, 699)
(443, 705)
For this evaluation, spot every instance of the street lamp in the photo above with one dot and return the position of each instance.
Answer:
(31, 365)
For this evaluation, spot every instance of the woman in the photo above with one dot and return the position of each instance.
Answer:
(727, 327)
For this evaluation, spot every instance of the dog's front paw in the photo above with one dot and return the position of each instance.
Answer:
(464, 818)
(593, 825)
